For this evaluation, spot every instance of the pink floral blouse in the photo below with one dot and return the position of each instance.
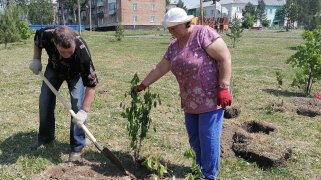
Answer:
(196, 72)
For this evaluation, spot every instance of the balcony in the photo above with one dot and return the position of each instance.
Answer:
(112, 12)
(100, 4)
(100, 14)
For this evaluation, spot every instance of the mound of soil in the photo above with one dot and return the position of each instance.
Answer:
(232, 112)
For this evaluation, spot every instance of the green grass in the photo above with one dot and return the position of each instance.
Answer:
(257, 57)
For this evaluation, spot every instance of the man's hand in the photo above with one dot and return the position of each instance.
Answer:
(80, 118)
(35, 66)
(224, 97)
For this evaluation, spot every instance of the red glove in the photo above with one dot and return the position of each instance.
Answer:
(224, 97)
(317, 95)
(138, 88)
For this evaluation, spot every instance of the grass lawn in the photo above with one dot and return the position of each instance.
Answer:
(257, 57)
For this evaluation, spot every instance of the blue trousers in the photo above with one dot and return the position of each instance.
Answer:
(204, 131)
(47, 104)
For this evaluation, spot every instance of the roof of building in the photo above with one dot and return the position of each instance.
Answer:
(255, 2)
(173, 1)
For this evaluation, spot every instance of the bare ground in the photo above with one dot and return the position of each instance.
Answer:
(310, 107)
(252, 140)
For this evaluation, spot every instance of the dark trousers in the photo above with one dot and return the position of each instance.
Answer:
(47, 104)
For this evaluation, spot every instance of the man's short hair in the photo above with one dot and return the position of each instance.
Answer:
(64, 37)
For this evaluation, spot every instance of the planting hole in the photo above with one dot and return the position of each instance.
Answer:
(256, 127)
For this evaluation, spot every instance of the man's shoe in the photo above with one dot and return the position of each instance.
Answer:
(87, 142)
(74, 156)
(39, 144)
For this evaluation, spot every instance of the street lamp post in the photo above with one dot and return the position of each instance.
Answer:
(79, 20)
(90, 15)
(201, 11)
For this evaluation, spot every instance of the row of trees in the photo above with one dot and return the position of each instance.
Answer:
(252, 14)
(12, 28)
(34, 11)
(15, 14)
(307, 13)
(42, 11)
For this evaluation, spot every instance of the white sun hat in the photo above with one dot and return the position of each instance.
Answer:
(176, 16)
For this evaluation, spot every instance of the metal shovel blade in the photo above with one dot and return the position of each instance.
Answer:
(107, 153)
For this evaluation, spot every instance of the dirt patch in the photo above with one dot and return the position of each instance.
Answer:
(310, 107)
(82, 170)
(253, 142)
(227, 139)
(102, 169)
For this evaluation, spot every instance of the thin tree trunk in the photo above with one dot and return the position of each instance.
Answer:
(63, 13)
(309, 84)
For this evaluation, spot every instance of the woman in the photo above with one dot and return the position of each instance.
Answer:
(201, 63)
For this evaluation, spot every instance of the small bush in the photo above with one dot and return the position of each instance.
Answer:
(119, 33)
(279, 78)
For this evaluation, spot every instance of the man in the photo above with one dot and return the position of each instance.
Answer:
(70, 61)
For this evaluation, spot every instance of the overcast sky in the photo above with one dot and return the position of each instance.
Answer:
(191, 2)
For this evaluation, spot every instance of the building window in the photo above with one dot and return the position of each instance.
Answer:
(112, 8)
(271, 11)
(135, 19)
(152, 19)
(101, 22)
(135, 6)
(152, 7)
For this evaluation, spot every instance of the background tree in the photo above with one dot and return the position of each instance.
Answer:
(41, 12)
(24, 8)
(249, 9)
(305, 12)
(72, 7)
(248, 20)
(289, 13)
(260, 11)
(24, 31)
(167, 2)
(309, 13)
(181, 4)
(307, 59)
(235, 31)
(8, 25)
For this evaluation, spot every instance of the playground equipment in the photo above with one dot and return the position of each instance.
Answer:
(219, 24)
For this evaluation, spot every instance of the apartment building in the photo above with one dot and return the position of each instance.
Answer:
(132, 14)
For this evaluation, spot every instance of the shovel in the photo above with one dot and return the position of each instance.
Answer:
(105, 151)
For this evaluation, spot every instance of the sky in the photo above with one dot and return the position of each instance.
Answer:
(191, 2)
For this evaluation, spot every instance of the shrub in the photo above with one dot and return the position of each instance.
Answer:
(248, 21)
(279, 78)
(307, 59)
(137, 114)
(119, 33)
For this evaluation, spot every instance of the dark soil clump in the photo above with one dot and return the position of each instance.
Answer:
(232, 112)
